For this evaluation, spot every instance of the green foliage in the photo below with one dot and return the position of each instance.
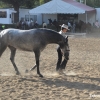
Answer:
(22, 3)
(4, 5)
(92, 3)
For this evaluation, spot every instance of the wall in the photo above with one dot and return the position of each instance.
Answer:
(44, 18)
(39, 18)
(4, 20)
(98, 14)
(48, 16)
(9, 18)
(23, 12)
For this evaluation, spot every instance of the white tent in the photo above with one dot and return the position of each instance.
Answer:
(57, 6)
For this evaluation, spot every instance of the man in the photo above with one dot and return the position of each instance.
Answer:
(69, 25)
(44, 25)
(64, 29)
(97, 24)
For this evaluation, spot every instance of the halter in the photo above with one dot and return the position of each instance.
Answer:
(64, 56)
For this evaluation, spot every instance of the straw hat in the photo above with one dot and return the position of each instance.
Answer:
(65, 26)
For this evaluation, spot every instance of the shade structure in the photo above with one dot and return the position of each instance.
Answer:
(80, 5)
(58, 6)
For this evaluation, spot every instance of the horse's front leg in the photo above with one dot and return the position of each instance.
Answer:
(37, 56)
(59, 58)
(33, 68)
(13, 51)
(63, 64)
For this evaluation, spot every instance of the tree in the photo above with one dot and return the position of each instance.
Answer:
(16, 4)
(92, 3)
(3, 5)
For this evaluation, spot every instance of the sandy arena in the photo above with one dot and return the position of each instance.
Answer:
(80, 82)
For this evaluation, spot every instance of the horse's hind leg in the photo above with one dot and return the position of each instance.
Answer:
(33, 68)
(63, 64)
(59, 58)
(13, 51)
(37, 55)
(2, 49)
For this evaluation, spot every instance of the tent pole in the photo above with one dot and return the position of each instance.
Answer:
(42, 18)
(86, 21)
(86, 17)
(85, 2)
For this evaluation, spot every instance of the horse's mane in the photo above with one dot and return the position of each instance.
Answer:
(48, 30)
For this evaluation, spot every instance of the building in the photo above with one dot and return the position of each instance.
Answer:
(65, 10)
(6, 16)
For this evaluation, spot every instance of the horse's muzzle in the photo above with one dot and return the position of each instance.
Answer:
(66, 55)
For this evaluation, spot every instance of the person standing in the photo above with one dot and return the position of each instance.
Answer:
(64, 29)
(97, 24)
(44, 25)
(3, 26)
(73, 28)
(70, 26)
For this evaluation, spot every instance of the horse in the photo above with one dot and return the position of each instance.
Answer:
(33, 40)
(80, 26)
(56, 24)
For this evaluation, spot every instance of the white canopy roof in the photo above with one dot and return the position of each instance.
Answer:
(57, 6)
(12, 11)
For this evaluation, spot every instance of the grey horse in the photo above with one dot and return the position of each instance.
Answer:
(33, 40)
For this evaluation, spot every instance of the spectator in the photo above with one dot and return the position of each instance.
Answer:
(97, 24)
(3, 26)
(69, 25)
(50, 21)
(36, 24)
(73, 28)
(44, 25)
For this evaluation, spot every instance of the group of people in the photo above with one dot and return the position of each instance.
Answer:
(27, 24)
(97, 25)
(72, 26)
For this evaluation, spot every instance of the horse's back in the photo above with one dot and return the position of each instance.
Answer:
(30, 39)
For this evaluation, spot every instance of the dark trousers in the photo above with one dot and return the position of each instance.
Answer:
(60, 64)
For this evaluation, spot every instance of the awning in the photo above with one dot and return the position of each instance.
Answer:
(80, 5)
(58, 6)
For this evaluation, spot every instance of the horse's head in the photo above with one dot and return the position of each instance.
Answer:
(65, 49)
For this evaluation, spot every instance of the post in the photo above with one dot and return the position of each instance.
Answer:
(86, 17)
(85, 2)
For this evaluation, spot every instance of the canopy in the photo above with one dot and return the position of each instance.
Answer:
(12, 11)
(80, 5)
(61, 6)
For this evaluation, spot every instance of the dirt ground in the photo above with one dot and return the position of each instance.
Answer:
(80, 82)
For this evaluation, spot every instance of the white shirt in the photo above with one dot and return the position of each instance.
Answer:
(44, 24)
(62, 33)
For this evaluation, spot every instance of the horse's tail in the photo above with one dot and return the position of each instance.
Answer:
(3, 46)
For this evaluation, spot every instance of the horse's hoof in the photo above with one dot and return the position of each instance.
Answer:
(60, 72)
(17, 73)
(57, 69)
(26, 71)
(40, 75)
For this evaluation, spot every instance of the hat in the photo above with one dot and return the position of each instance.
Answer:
(65, 26)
